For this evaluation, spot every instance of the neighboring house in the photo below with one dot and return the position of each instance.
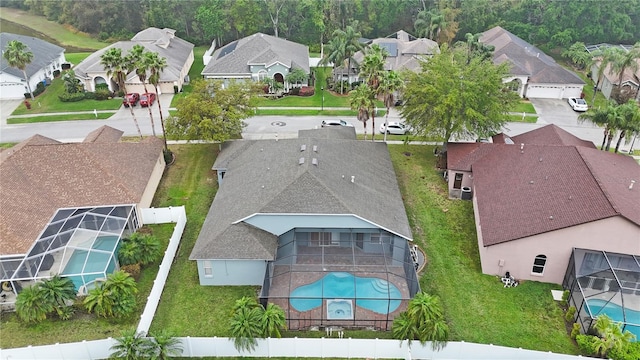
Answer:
(257, 57)
(42, 177)
(535, 73)
(404, 53)
(540, 194)
(291, 214)
(610, 79)
(46, 64)
(177, 52)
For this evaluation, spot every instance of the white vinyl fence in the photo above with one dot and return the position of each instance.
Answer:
(297, 348)
(175, 215)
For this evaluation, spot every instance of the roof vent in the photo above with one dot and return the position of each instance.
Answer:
(303, 147)
(314, 161)
(522, 146)
(551, 217)
(301, 161)
(276, 137)
(315, 148)
(631, 185)
(530, 181)
(353, 178)
(540, 159)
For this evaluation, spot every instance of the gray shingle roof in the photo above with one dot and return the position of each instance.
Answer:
(257, 49)
(174, 49)
(43, 54)
(526, 59)
(408, 51)
(266, 177)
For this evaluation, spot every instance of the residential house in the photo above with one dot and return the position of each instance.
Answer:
(256, 57)
(177, 52)
(538, 195)
(46, 64)
(83, 189)
(610, 79)
(536, 75)
(318, 222)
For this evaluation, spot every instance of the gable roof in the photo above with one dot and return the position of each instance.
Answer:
(551, 135)
(405, 50)
(176, 51)
(526, 59)
(257, 49)
(44, 53)
(43, 175)
(266, 177)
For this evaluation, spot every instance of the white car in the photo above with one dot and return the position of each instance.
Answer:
(578, 104)
(337, 122)
(395, 128)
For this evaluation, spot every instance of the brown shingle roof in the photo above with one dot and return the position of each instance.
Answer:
(551, 135)
(104, 134)
(460, 156)
(37, 179)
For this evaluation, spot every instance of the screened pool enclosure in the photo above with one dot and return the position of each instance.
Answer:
(607, 283)
(78, 243)
(355, 278)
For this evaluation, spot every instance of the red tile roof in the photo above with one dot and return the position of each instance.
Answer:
(42, 176)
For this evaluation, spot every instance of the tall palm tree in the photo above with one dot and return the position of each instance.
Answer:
(273, 320)
(58, 291)
(335, 53)
(423, 321)
(626, 60)
(19, 56)
(361, 100)
(372, 70)
(599, 117)
(31, 306)
(165, 345)
(157, 65)
(606, 57)
(132, 345)
(629, 121)
(117, 67)
(246, 326)
(350, 41)
(140, 63)
(390, 83)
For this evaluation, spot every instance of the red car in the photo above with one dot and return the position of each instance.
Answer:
(130, 99)
(147, 99)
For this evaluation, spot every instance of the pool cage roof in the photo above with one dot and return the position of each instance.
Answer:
(80, 243)
(608, 283)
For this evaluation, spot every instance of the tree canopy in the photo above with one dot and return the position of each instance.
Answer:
(212, 112)
(449, 98)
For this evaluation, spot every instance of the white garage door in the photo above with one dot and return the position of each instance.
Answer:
(12, 91)
(552, 91)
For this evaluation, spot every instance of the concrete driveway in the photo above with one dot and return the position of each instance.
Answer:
(7, 107)
(556, 111)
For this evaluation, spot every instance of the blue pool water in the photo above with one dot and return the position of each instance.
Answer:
(374, 294)
(614, 311)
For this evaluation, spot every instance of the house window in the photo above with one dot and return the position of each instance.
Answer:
(380, 239)
(322, 238)
(262, 74)
(457, 183)
(538, 264)
(208, 269)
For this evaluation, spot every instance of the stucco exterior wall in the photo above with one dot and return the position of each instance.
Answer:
(615, 234)
(14, 87)
(154, 181)
(467, 180)
(232, 272)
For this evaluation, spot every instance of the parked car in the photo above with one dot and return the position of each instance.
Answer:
(130, 99)
(578, 104)
(147, 99)
(338, 122)
(395, 128)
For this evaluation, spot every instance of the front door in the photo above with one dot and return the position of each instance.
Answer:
(457, 182)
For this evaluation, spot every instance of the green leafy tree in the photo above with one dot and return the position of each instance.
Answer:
(475, 48)
(58, 292)
(423, 321)
(157, 65)
(132, 345)
(212, 113)
(578, 55)
(450, 98)
(19, 56)
(361, 100)
(390, 83)
(72, 85)
(296, 76)
(31, 306)
(165, 345)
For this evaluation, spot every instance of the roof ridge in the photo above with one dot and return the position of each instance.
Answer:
(597, 180)
(330, 190)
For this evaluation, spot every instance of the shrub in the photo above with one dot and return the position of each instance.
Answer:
(587, 344)
(294, 91)
(66, 97)
(575, 330)
(89, 95)
(629, 352)
(102, 86)
(37, 91)
(565, 298)
(132, 269)
(306, 91)
(571, 312)
(102, 94)
(56, 73)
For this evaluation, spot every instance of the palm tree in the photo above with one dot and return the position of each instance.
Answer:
(31, 306)
(58, 291)
(117, 68)
(19, 56)
(349, 44)
(139, 248)
(625, 60)
(372, 70)
(273, 319)
(157, 65)
(426, 23)
(476, 48)
(389, 84)
(578, 55)
(423, 321)
(606, 57)
(122, 288)
(334, 53)
(132, 345)
(361, 100)
(629, 121)
(246, 325)
(100, 301)
(165, 345)
(140, 63)
(600, 117)
(610, 335)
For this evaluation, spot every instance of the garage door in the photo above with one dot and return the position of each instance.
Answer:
(544, 91)
(12, 91)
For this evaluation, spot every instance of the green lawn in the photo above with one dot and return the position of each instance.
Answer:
(48, 102)
(194, 72)
(65, 117)
(600, 101)
(76, 58)
(524, 106)
(519, 118)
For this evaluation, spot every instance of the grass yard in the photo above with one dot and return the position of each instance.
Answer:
(520, 118)
(194, 72)
(76, 58)
(64, 117)
(600, 101)
(48, 102)
(524, 107)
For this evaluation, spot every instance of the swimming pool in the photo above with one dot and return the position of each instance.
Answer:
(614, 311)
(375, 294)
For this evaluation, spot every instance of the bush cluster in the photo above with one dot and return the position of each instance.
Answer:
(66, 97)
(306, 91)
(39, 90)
